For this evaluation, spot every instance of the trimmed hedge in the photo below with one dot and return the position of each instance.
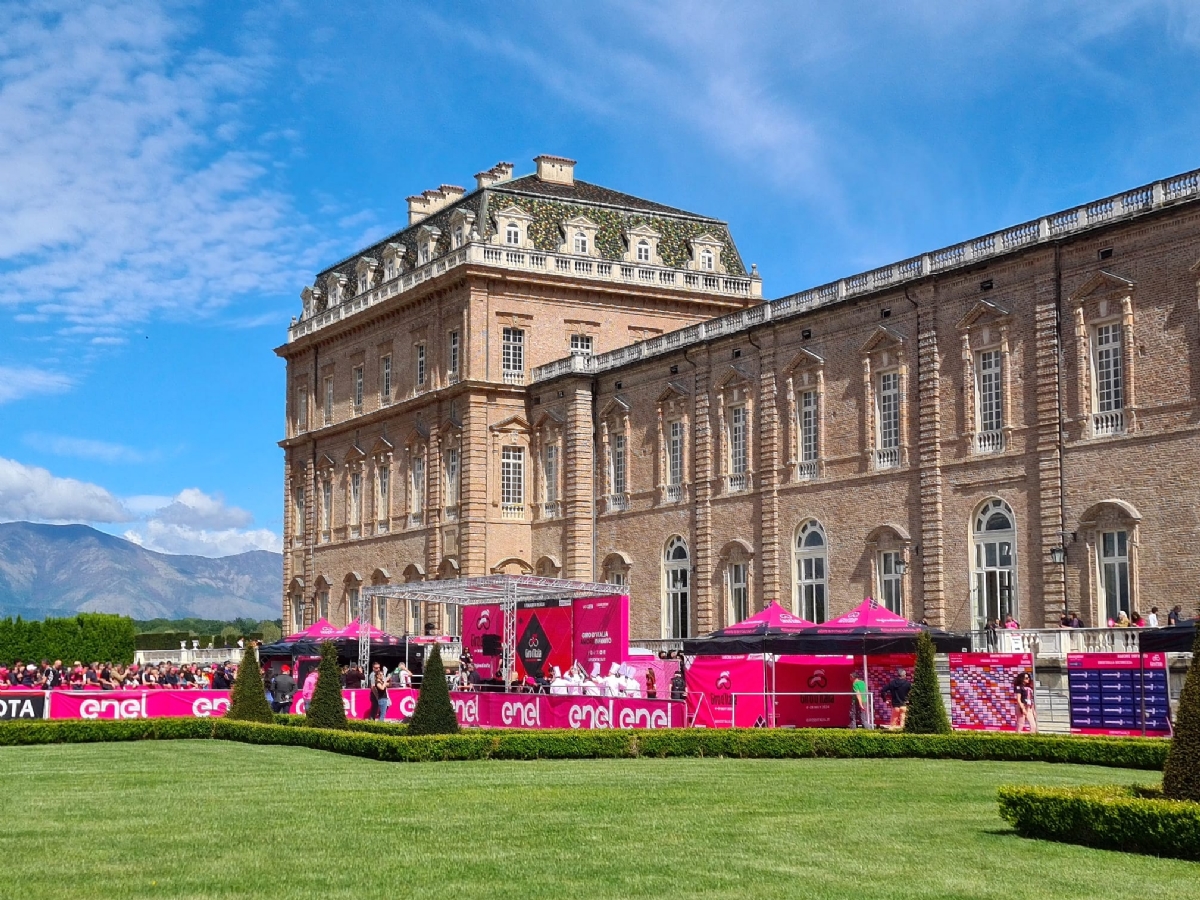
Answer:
(434, 713)
(1181, 774)
(1108, 817)
(926, 712)
(326, 709)
(88, 637)
(383, 741)
(248, 699)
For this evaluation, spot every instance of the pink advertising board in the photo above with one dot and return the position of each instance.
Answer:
(136, 704)
(813, 691)
(982, 697)
(727, 691)
(1119, 694)
(601, 631)
(880, 670)
(479, 622)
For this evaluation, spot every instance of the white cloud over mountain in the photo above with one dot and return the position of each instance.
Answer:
(32, 493)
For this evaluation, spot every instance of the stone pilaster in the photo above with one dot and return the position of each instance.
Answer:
(475, 469)
(770, 464)
(929, 451)
(704, 475)
(1049, 464)
(579, 490)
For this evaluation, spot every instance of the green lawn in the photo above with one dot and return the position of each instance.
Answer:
(215, 819)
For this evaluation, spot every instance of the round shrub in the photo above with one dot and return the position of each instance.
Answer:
(248, 701)
(325, 709)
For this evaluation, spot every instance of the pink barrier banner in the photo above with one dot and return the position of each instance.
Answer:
(982, 697)
(601, 632)
(1119, 694)
(137, 704)
(713, 682)
(495, 710)
(481, 622)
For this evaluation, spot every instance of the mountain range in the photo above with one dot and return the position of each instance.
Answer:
(61, 570)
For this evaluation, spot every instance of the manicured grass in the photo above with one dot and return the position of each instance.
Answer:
(216, 819)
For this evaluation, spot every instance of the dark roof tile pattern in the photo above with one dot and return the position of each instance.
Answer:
(585, 192)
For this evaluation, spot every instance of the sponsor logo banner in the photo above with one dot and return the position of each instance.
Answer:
(15, 705)
(137, 704)
(544, 639)
(483, 625)
(601, 631)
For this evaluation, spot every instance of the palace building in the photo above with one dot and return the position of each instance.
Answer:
(548, 376)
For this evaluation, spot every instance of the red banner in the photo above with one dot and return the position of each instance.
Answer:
(727, 691)
(601, 631)
(813, 691)
(544, 636)
(982, 696)
(137, 704)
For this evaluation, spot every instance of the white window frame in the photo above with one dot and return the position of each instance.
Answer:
(739, 448)
(302, 409)
(323, 603)
(355, 504)
(581, 343)
(617, 471)
(890, 587)
(383, 507)
(385, 378)
(421, 368)
(416, 493)
(512, 353)
(550, 474)
(991, 576)
(1115, 573)
(512, 481)
(1108, 368)
(452, 367)
(675, 452)
(326, 509)
(812, 571)
(328, 405)
(512, 234)
(452, 474)
(298, 523)
(707, 260)
(677, 591)
(580, 243)
(643, 251)
(737, 584)
(887, 411)
(989, 391)
(358, 389)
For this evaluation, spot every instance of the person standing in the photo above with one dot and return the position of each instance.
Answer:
(1152, 618)
(310, 685)
(651, 685)
(897, 691)
(283, 688)
(379, 694)
(1026, 702)
(1174, 615)
(858, 703)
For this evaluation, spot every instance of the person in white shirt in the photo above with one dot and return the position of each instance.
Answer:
(575, 678)
(592, 686)
(558, 684)
(612, 683)
(1152, 619)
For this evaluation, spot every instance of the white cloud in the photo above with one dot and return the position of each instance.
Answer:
(28, 493)
(84, 448)
(192, 508)
(165, 537)
(122, 198)
(18, 382)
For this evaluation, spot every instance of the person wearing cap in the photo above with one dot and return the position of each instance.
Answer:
(558, 684)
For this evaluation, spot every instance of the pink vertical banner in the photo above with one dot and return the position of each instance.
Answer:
(478, 623)
(982, 697)
(601, 631)
(727, 691)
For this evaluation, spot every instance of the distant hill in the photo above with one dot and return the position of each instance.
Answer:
(60, 570)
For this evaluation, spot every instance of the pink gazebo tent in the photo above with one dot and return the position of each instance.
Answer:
(772, 620)
(352, 631)
(868, 618)
(320, 630)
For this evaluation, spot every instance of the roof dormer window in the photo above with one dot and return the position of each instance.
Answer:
(581, 243)
(706, 260)
(643, 251)
(424, 254)
(458, 237)
(512, 234)
(363, 282)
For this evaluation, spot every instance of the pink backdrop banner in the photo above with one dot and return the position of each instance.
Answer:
(982, 697)
(478, 621)
(712, 682)
(601, 631)
(137, 704)
(880, 670)
(823, 684)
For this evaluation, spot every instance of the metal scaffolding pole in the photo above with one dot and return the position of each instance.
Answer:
(364, 631)
(509, 649)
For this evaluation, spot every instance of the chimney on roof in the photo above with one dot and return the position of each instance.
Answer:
(555, 169)
(497, 174)
(425, 204)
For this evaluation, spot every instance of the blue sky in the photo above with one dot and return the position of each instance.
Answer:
(172, 174)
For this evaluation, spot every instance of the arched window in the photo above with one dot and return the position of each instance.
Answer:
(676, 571)
(616, 570)
(643, 251)
(812, 572)
(512, 234)
(706, 260)
(547, 567)
(581, 242)
(995, 562)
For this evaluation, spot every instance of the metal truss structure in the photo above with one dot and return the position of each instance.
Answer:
(505, 590)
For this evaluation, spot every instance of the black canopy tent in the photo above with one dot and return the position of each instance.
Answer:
(1173, 639)
(388, 652)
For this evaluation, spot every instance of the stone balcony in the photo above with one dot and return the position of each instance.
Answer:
(538, 262)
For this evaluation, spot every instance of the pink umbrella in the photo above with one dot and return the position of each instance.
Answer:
(320, 630)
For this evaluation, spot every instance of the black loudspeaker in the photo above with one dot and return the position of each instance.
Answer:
(491, 645)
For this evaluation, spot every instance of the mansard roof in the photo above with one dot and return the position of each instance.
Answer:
(585, 193)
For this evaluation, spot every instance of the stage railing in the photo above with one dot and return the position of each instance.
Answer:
(772, 714)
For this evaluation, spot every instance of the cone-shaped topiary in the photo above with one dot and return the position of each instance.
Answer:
(1181, 773)
(326, 709)
(926, 712)
(434, 713)
(248, 701)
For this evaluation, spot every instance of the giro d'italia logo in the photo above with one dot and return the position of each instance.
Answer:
(723, 681)
(817, 680)
(534, 647)
(484, 620)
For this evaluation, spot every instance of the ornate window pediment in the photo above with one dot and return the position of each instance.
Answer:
(579, 237)
(393, 261)
(462, 227)
(427, 238)
(706, 254)
(804, 394)
(365, 274)
(1104, 319)
(641, 246)
(512, 227)
(381, 450)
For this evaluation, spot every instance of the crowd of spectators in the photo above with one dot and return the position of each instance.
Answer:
(99, 676)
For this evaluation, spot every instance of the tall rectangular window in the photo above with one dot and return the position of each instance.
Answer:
(675, 454)
(618, 464)
(323, 604)
(739, 592)
(355, 503)
(385, 378)
(326, 508)
(416, 504)
(383, 502)
(737, 441)
(581, 343)
(512, 478)
(358, 389)
(990, 412)
(328, 401)
(891, 581)
(1108, 368)
(420, 355)
(298, 522)
(513, 355)
(808, 426)
(1114, 572)
(302, 409)
(550, 472)
(452, 363)
(889, 410)
(452, 480)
